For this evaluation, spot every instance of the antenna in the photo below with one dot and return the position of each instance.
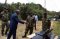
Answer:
(45, 3)
(5, 2)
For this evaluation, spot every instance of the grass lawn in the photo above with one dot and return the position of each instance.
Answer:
(56, 27)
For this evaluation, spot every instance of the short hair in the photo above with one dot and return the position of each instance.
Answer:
(17, 10)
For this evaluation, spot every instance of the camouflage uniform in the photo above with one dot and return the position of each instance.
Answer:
(29, 25)
(5, 18)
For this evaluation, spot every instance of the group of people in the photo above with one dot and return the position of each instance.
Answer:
(12, 26)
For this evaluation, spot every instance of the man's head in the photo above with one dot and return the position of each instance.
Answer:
(5, 10)
(35, 14)
(30, 13)
(17, 12)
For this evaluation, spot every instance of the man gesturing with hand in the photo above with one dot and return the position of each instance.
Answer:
(13, 24)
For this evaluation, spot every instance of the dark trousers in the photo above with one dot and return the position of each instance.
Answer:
(30, 29)
(35, 25)
(3, 26)
(12, 32)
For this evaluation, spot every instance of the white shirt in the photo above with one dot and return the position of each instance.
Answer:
(36, 17)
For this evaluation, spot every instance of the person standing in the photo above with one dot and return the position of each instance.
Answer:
(36, 19)
(13, 24)
(5, 19)
(29, 25)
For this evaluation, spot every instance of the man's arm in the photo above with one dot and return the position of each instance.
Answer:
(20, 21)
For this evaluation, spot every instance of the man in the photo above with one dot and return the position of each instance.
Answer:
(13, 24)
(29, 25)
(47, 34)
(36, 19)
(5, 19)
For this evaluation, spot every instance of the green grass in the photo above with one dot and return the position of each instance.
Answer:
(0, 23)
(56, 28)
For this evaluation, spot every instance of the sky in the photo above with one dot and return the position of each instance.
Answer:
(51, 5)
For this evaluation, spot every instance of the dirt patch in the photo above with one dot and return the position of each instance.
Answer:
(21, 30)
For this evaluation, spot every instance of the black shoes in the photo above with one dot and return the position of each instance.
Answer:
(23, 36)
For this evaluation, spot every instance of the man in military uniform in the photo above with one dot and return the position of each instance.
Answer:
(29, 24)
(5, 18)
